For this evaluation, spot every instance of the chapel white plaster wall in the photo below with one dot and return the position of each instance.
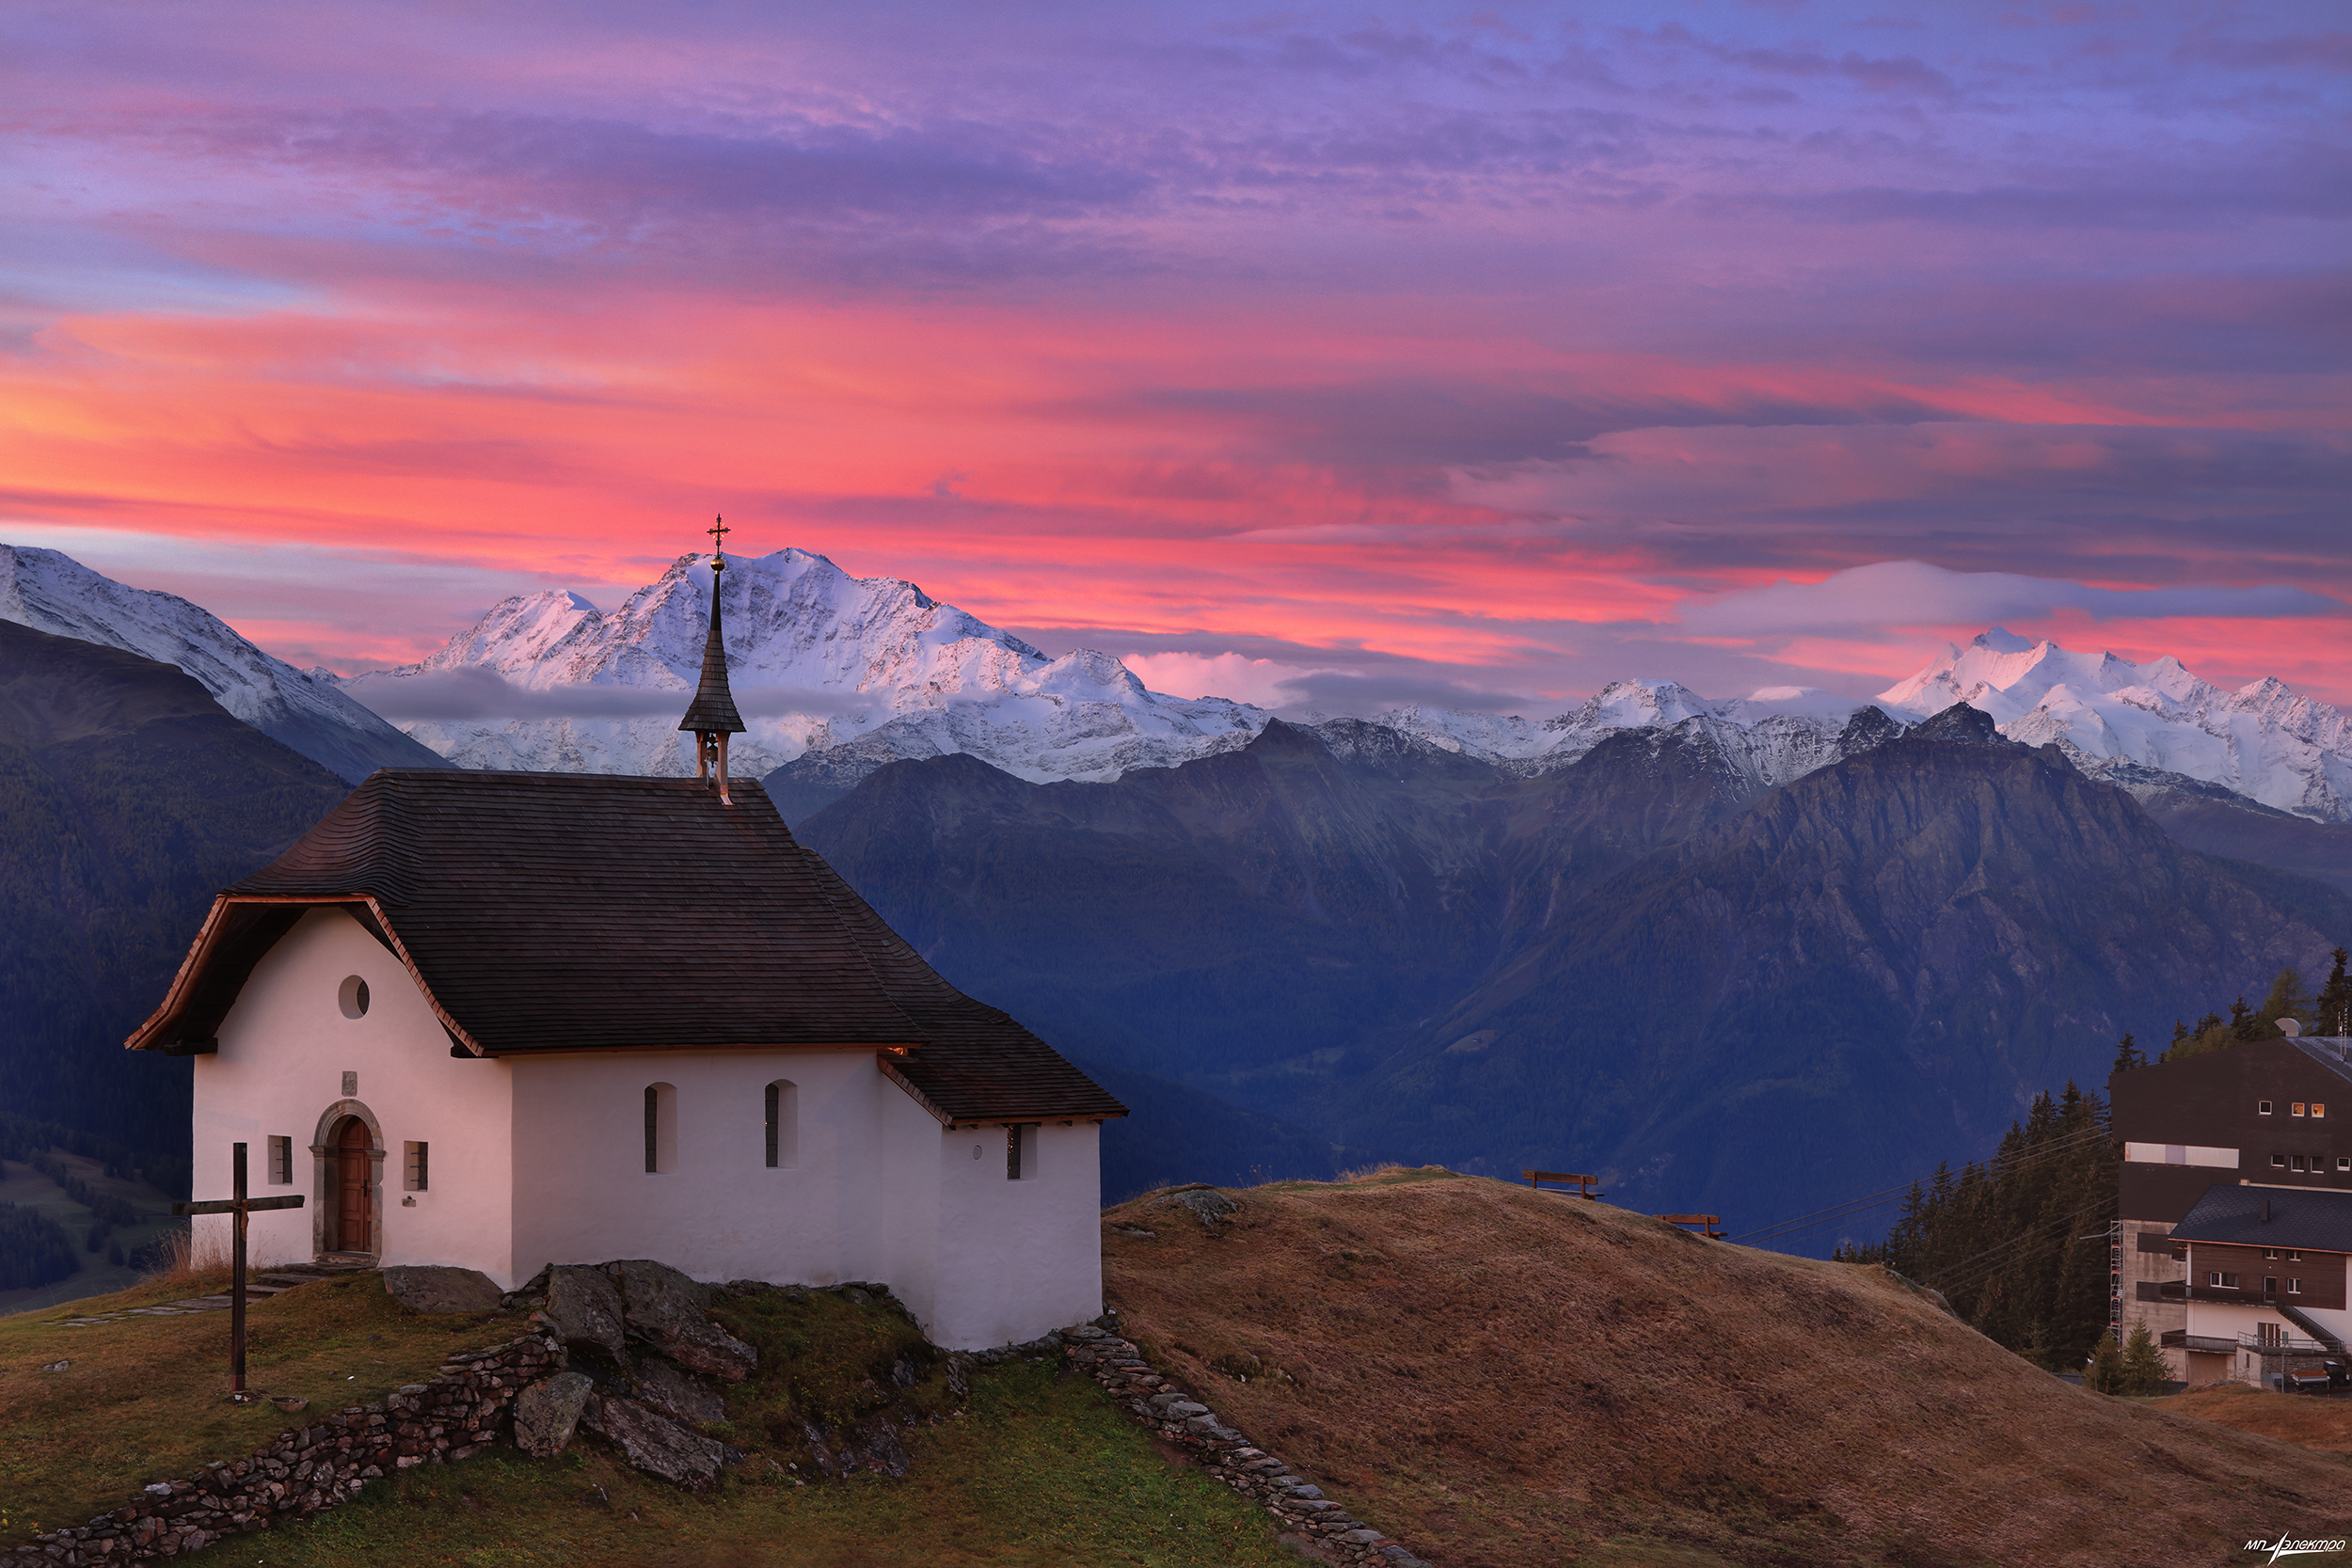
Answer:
(583, 1193)
(1018, 1259)
(910, 1177)
(284, 1047)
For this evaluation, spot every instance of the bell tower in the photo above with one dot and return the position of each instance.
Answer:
(712, 717)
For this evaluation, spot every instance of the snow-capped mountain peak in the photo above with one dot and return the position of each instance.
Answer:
(51, 591)
(2117, 719)
(819, 659)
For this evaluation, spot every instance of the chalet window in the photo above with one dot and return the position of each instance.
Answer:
(2270, 1286)
(1021, 1151)
(2295, 1109)
(2293, 1257)
(2270, 1254)
(2295, 1287)
(2261, 1107)
(2221, 1281)
(783, 1125)
(660, 1128)
(414, 1166)
(2296, 1161)
(2344, 1162)
(2271, 1334)
(2317, 1109)
(282, 1162)
(2280, 1161)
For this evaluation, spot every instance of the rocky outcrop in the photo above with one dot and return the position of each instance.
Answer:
(602, 1307)
(548, 1413)
(677, 1395)
(656, 1445)
(452, 1416)
(583, 1304)
(425, 1288)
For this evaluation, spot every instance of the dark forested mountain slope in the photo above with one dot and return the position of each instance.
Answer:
(127, 797)
(1636, 964)
(1254, 918)
(1877, 965)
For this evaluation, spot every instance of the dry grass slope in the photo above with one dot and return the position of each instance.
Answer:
(1509, 1379)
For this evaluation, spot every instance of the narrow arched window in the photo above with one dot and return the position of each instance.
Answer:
(783, 1125)
(660, 1128)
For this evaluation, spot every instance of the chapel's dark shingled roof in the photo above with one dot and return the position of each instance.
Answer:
(2307, 1219)
(547, 911)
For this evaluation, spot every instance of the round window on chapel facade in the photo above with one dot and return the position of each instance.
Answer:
(354, 997)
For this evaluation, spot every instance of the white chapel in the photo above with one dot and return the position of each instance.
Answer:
(507, 1019)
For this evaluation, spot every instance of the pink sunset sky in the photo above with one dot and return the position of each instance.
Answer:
(1330, 356)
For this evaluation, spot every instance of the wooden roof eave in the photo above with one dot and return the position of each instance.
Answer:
(890, 1071)
(150, 1035)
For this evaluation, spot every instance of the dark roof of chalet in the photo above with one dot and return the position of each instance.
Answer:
(713, 707)
(2310, 1219)
(567, 912)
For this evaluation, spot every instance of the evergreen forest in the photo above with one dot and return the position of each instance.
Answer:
(2018, 1241)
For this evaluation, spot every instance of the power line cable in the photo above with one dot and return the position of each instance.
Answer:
(1999, 1164)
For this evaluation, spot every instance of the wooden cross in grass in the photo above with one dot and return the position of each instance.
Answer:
(240, 1206)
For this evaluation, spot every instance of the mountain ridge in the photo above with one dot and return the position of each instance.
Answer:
(1593, 969)
(51, 591)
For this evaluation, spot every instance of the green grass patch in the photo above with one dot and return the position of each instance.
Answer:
(142, 1399)
(1038, 1469)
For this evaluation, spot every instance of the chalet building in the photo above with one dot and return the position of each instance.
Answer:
(507, 1019)
(2236, 1206)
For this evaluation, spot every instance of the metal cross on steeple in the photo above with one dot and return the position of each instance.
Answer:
(718, 532)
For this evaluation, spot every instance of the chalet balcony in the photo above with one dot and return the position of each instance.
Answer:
(2224, 1344)
(2181, 1289)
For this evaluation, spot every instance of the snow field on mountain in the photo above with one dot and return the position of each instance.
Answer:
(818, 660)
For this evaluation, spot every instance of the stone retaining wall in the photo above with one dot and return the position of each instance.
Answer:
(1225, 1453)
(450, 1417)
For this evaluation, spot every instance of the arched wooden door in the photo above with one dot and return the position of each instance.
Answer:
(355, 1187)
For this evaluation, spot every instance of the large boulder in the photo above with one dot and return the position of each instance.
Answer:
(546, 1412)
(432, 1288)
(655, 1444)
(677, 1395)
(585, 1307)
(666, 1309)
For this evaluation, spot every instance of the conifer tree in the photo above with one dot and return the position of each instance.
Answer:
(2244, 1024)
(2332, 1011)
(2104, 1373)
(2144, 1371)
(2128, 1054)
(2018, 1243)
(2288, 998)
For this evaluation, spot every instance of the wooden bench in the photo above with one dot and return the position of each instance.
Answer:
(1583, 1185)
(1709, 1226)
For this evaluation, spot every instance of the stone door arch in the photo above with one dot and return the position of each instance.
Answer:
(349, 1138)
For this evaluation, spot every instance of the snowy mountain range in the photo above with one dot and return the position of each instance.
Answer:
(52, 592)
(862, 670)
(838, 675)
(2125, 721)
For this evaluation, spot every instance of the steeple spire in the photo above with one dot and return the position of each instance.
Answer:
(712, 716)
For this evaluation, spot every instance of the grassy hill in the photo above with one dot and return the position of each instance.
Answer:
(1508, 1379)
(1037, 1469)
(1498, 1378)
